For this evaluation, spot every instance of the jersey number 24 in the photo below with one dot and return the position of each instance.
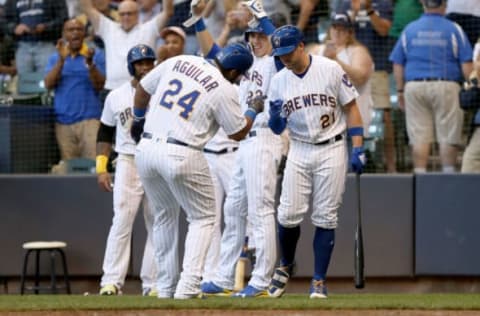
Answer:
(174, 95)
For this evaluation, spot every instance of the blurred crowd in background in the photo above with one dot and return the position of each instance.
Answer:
(68, 54)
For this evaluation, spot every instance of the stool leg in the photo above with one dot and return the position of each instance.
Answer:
(37, 270)
(24, 272)
(65, 271)
(53, 280)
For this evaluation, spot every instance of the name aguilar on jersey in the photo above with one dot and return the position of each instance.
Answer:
(304, 101)
(192, 71)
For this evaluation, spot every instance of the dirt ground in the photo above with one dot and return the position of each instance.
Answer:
(247, 313)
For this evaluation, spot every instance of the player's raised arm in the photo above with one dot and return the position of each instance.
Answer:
(208, 46)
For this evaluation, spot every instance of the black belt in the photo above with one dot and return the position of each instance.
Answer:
(174, 141)
(147, 135)
(331, 140)
(252, 133)
(221, 152)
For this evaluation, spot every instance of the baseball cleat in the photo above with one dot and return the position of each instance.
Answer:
(256, 7)
(147, 291)
(250, 291)
(318, 289)
(211, 289)
(109, 290)
(279, 282)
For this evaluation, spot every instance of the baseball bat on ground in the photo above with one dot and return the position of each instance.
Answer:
(241, 268)
(359, 260)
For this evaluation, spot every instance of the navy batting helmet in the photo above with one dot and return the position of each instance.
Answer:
(235, 56)
(137, 53)
(255, 29)
(285, 39)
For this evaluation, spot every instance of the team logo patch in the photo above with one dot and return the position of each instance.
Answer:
(276, 41)
(346, 81)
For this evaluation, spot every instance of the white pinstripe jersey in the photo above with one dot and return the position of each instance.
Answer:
(117, 112)
(198, 96)
(313, 104)
(221, 141)
(256, 83)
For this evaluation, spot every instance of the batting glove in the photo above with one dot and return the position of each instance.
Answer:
(275, 107)
(136, 129)
(358, 159)
(256, 7)
(194, 16)
(276, 123)
(257, 103)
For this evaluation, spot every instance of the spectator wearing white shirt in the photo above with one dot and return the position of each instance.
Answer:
(120, 36)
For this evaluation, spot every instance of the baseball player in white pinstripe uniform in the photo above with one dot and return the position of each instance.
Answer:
(201, 99)
(315, 99)
(253, 184)
(128, 192)
(220, 153)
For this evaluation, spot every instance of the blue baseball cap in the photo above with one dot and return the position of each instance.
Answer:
(285, 39)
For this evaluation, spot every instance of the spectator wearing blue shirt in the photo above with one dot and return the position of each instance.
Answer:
(429, 59)
(372, 21)
(76, 73)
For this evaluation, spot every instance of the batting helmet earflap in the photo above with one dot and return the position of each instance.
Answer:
(235, 56)
(137, 53)
(285, 39)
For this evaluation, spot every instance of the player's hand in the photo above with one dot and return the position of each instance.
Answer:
(275, 107)
(196, 10)
(137, 128)
(257, 103)
(255, 7)
(197, 7)
(358, 159)
(104, 181)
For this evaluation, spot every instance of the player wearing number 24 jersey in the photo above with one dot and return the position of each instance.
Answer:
(200, 99)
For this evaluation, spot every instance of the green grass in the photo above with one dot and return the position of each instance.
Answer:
(288, 302)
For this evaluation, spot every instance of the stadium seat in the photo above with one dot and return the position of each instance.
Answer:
(52, 247)
(80, 165)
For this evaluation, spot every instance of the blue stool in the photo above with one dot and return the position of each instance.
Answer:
(53, 248)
